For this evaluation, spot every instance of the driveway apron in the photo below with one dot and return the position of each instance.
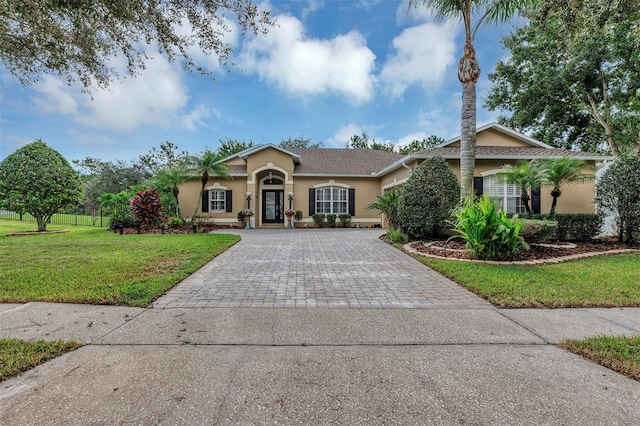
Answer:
(316, 268)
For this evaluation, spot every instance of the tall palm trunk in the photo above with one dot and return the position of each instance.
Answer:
(204, 179)
(468, 74)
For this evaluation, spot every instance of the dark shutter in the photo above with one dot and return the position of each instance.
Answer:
(228, 201)
(535, 200)
(352, 201)
(477, 186)
(312, 201)
(205, 201)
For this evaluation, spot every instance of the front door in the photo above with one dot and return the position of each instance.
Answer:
(273, 206)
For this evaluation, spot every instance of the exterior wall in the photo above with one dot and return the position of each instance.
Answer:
(270, 156)
(190, 193)
(366, 190)
(236, 162)
(397, 177)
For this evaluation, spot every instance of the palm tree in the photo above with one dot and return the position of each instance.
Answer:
(561, 171)
(528, 175)
(468, 68)
(387, 204)
(205, 165)
(170, 180)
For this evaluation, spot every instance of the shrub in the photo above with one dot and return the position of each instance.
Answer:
(577, 227)
(345, 219)
(121, 215)
(427, 199)
(538, 230)
(617, 194)
(146, 207)
(241, 216)
(318, 219)
(37, 180)
(298, 215)
(396, 236)
(331, 220)
(489, 233)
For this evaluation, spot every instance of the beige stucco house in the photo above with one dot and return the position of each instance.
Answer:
(268, 179)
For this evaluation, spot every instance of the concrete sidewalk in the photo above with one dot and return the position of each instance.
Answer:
(316, 366)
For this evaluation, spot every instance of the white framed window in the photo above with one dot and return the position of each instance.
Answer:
(332, 200)
(506, 195)
(218, 200)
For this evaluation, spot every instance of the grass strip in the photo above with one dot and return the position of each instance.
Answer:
(601, 281)
(619, 353)
(17, 356)
(95, 266)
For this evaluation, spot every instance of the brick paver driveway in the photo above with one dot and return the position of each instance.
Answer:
(333, 268)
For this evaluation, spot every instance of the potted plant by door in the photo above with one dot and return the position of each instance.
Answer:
(289, 214)
(247, 213)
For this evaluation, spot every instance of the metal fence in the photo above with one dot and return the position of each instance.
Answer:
(96, 218)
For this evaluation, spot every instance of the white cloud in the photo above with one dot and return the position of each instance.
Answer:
(55, 96)
(313, 5)
(196, 118)
(406, 140)
(305, 66)
(342, 136)
(414, 13)
(423, 54)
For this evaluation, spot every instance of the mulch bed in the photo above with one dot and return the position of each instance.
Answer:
(454, 249)
(183, 229)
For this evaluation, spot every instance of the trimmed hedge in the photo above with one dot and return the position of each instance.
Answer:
(576, 226)
(538, 230)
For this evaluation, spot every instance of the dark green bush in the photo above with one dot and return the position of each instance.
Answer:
(331, 220)
(577, 226)
(318, 219)
(538, 230)
(428, 197)
(298, 215)
(617, 194)
(345, 220)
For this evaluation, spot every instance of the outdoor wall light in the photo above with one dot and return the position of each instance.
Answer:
(290, 199)
(248, 195)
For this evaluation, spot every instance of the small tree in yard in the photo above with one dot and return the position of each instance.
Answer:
(387, 204)
(427, 199)
(528, 176)
(37, 180)
(617, 193)
(561, 171)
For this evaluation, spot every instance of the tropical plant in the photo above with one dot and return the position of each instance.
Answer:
(528, 175)
(468, 68)
(121, 215)
(37, 180)
(170, 180)
(387, 204)
(617, 194)
(562, 171)
(205, 165)
(428, 198)
(146, 207)
(489, 233)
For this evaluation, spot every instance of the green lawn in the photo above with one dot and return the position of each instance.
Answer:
(17, 356)
(92, 265)
(619, 353)
(601, 281)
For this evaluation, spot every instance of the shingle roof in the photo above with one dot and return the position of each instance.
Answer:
(342, 161)
(518, 152)
(236, 169)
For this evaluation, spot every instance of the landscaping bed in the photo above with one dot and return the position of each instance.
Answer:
(455, 249)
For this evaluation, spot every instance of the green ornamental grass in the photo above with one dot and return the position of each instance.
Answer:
(619, 353)
(17, 356)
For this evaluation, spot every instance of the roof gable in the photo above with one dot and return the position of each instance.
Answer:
(521, 139)
(255, 149)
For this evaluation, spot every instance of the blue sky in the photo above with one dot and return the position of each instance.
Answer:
(329, 70)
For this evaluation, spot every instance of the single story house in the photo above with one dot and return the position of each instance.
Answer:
(269, 179)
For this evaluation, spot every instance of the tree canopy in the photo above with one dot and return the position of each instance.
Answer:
(76, 39)
(573, 77)
(300, 142)
(37, 180)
